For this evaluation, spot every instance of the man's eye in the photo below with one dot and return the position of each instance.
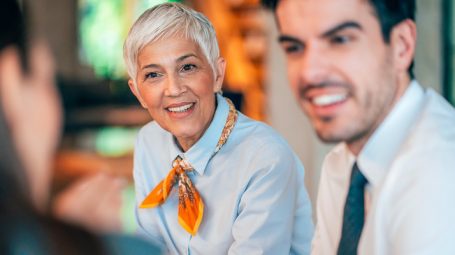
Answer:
(292, 48)
(340, 39)
(188, 67)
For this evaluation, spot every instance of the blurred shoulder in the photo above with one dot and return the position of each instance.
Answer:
(116, 244)
(42, 234)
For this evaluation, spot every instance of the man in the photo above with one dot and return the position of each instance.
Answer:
(387, 188)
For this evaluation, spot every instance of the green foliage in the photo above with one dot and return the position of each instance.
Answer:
(103, 26)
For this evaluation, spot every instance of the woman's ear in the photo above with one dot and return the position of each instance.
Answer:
(134, 89)
(220, 68)
(403, 40)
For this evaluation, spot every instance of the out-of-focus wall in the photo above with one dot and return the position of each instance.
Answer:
(284, 114)
(429, 61)
(56, 22)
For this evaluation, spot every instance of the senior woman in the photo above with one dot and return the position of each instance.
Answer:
(208, 179)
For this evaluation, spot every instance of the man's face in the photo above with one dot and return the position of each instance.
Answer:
(341, 70)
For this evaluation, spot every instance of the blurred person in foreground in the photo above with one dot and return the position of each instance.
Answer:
(208, 179)
(387, 188)
(29, 133)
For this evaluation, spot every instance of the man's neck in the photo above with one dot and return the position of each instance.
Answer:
(357, 144)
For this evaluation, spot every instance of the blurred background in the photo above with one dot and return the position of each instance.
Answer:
(102, 117)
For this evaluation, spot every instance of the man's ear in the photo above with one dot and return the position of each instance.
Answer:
(403, 40)
(11, 80)
(136, 93)
(220, 68)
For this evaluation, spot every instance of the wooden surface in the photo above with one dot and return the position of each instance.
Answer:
(73, 164)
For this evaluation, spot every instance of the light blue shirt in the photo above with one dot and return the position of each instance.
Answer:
(253, 190)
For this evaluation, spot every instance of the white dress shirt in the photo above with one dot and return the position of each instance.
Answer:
(253, 191)
(410, 165)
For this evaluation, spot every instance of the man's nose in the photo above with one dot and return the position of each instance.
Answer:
(313, 65)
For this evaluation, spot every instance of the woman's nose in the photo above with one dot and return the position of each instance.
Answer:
(174, 86)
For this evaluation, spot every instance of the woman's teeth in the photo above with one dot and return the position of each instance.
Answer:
(180, 108)
(325, 100)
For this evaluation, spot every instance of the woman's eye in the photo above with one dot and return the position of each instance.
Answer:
(188, 67)
(151, 75)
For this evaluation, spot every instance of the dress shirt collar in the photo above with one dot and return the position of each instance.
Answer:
(376, 157)
(202, 151)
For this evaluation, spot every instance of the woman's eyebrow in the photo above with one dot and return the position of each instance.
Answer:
(149, 66)
(180, 59)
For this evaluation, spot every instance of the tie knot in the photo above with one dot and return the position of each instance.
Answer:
(184, 165)
(358, 180)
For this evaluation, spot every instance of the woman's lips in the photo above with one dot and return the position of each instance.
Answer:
(179, 108)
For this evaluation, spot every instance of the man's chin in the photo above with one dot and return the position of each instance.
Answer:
(329, 138)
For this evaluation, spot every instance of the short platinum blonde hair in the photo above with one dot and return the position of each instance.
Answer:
(165, 21)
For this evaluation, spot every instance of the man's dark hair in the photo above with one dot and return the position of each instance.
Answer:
(12, 29)
(392, 12)
(389, 13)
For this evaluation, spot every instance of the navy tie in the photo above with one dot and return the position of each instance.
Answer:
(354, 213)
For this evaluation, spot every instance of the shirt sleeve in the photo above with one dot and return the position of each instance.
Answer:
(269, 210)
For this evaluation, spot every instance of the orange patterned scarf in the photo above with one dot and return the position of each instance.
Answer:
(191, 206)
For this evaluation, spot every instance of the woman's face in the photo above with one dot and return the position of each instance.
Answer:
(177, 85)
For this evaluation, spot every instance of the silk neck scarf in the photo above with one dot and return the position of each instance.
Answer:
(191, 206)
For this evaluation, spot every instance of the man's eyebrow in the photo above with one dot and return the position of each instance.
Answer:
(328, 33)
(340, 27)
(287, 38)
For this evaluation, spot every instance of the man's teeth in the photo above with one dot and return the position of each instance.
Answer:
(328, 99)
(180, 108)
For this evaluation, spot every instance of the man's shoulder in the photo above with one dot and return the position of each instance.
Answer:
(431, 141)
(437, 113)
(434, 130)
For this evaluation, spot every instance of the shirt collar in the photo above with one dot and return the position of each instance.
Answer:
(376, 157)
(200, 153)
